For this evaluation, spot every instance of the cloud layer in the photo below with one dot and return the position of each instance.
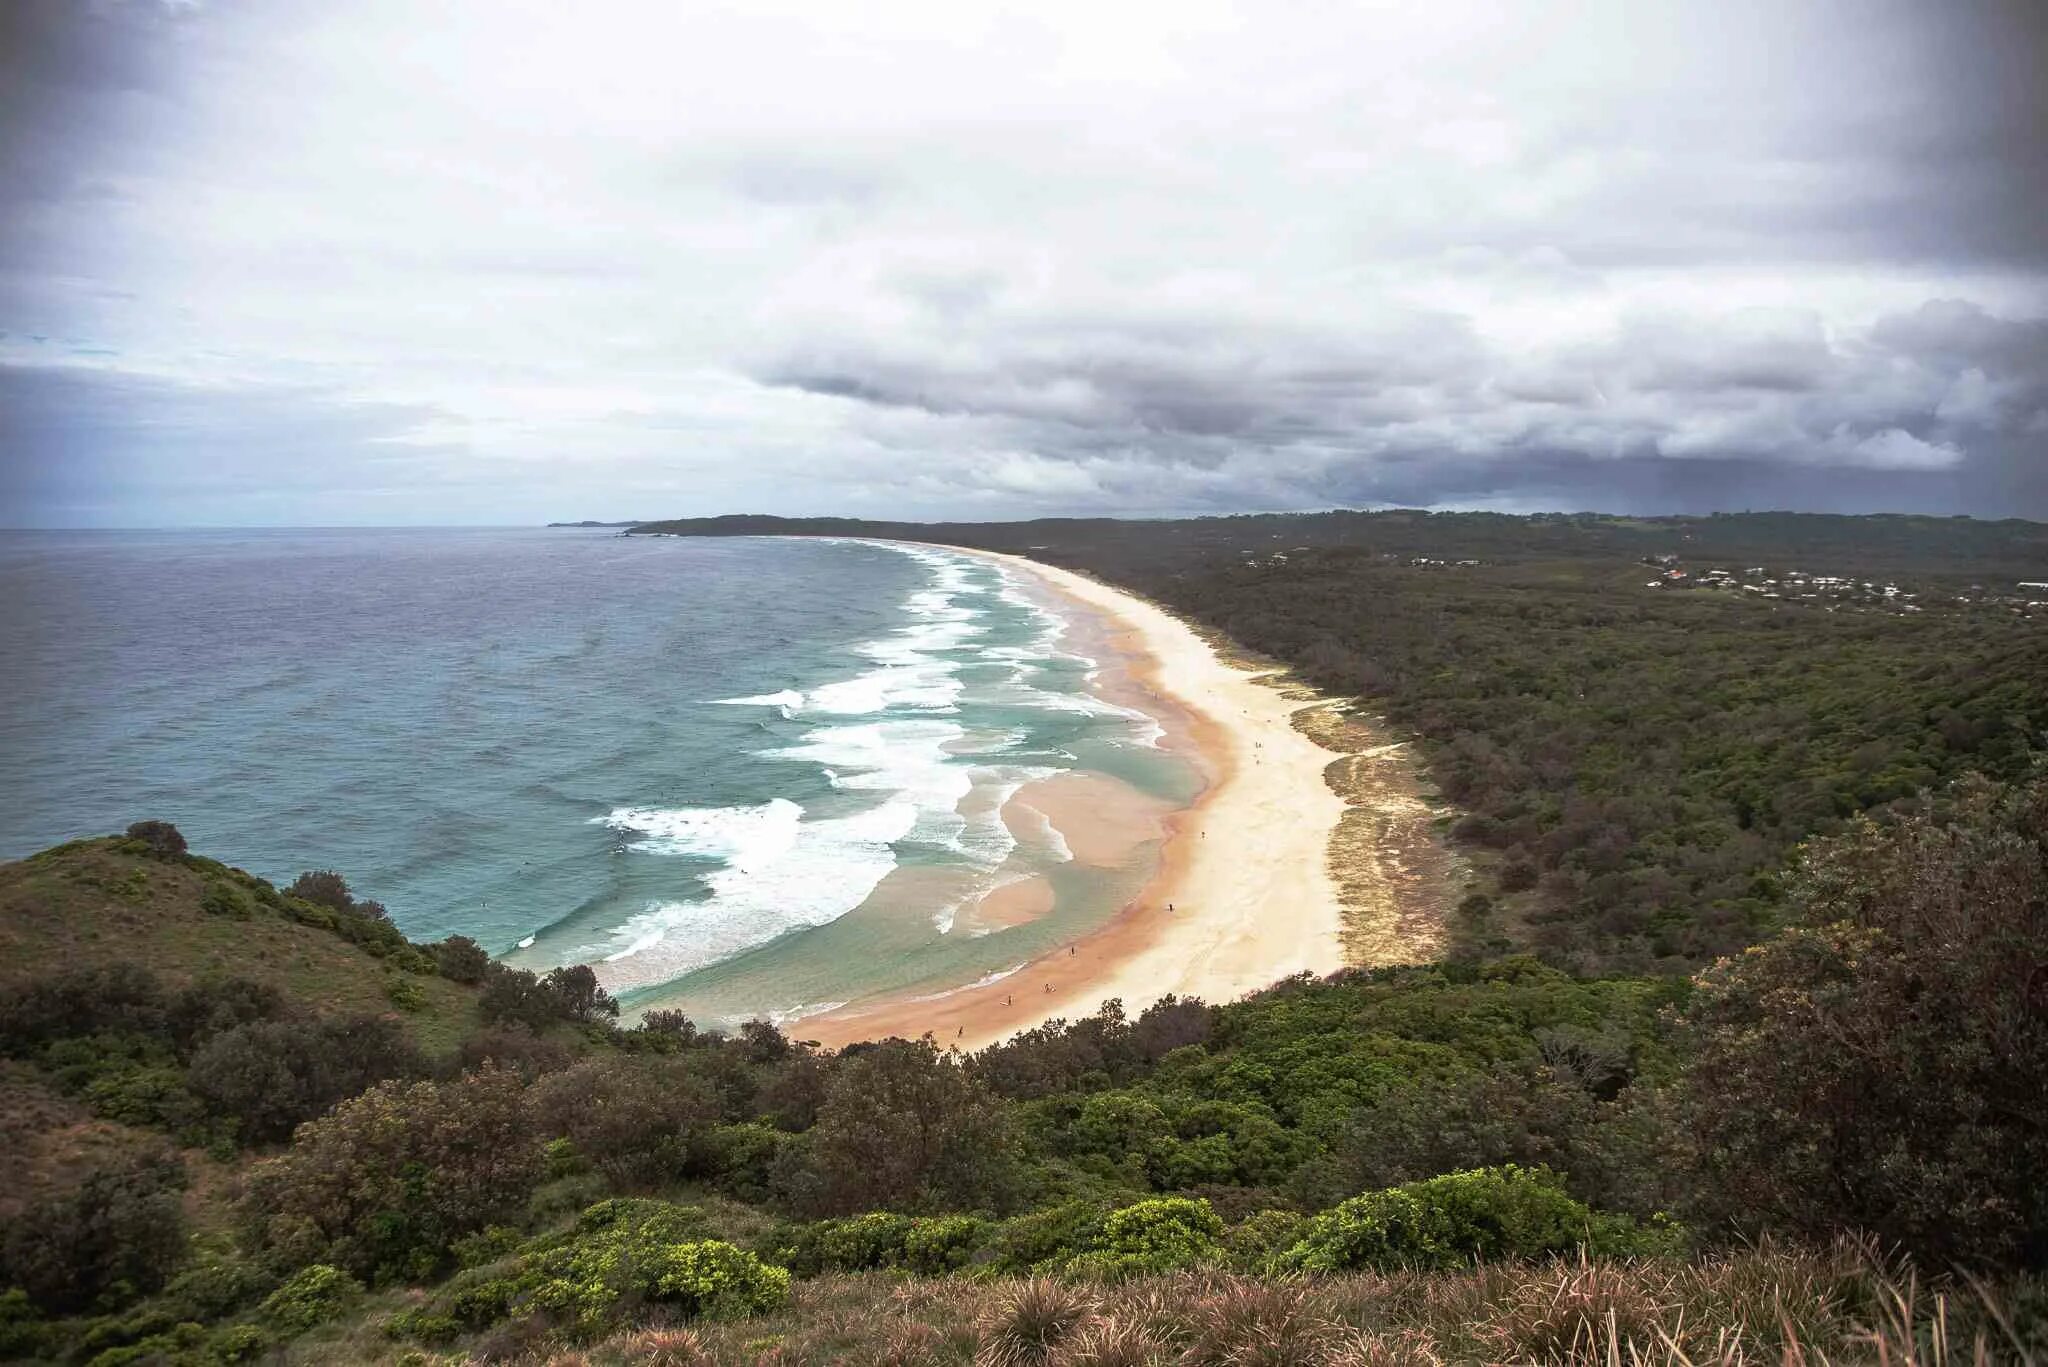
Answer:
(507, 261)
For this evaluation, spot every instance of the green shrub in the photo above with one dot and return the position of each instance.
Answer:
(23, 1334)
(423, 1326)
(223, 898)
(485, 1246)
(738, 1157)
(160, 839)
(628, 1252)
(477, 1304)
(714, 1279)
(1252, 1244)
(177, 1344)
(152, 1097)
(1044, 1239)
(943, 1244)
(1160, 1235)
(313, 1295)
(216, 1287)
(387, 1181)
(118, 1234)
(405, 994)
(1446, 1222)
(858, 1243)
(240, 1343)
(621, 1254)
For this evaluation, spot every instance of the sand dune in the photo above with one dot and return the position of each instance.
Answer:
(1245, 870)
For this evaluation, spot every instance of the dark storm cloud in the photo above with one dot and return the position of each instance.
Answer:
(1945, 405)
(78, 81)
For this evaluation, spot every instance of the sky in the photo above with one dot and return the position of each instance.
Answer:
(277, 262)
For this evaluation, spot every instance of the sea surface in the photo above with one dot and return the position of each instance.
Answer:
(691, 763)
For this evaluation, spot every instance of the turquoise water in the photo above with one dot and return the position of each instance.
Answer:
(692, 763)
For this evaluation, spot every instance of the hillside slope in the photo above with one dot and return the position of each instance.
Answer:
(98, 902)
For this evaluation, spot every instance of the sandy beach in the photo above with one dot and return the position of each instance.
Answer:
(1243, 894)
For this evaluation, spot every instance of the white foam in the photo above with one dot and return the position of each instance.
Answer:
(801, 1010)
(886, 732)
(780, 873)
(985, 980)
(788, 697)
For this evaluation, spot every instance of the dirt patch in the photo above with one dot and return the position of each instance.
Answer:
(1396, 877)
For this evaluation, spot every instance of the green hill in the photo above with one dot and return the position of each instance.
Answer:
(105, 901)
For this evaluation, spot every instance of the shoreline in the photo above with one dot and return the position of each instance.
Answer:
(1245, 868)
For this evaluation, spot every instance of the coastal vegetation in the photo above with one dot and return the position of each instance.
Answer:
(1739, 1056)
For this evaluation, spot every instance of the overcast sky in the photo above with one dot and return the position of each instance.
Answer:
(385, 261)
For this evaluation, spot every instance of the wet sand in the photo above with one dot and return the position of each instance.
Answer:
(1243, 894)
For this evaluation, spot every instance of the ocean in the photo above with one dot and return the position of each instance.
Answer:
(739, 776)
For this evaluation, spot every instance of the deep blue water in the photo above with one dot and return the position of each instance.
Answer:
(651, 754)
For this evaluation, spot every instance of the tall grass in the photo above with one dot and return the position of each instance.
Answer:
(1767, 1306)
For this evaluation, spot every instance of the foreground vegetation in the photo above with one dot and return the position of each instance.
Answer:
(1872, 1071)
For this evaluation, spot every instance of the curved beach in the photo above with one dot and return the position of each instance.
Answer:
(1243, 894)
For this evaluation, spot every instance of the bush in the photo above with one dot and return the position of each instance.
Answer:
(270, 1076)
(714, 1279)
(161, 838)
(1882, 1068)
(215, 1287)
(313, 1295)
(323, 888)
(740, 1158)
(623, 1254)
(631, 1118)
(513, 1047)
(900, 1127)
(117, 1235)
(859, 1243)
(1446, 1222)
(1252, 1244)
(943, 1244)
(120, 997)
(1045, 1239)
(1160, 1235)
(240, 1343)
(460, 959)
(387, 1182)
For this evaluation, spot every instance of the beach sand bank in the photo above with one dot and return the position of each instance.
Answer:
(1243, 895)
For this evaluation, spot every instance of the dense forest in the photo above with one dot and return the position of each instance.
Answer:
(255, 1123)
(1635, 765)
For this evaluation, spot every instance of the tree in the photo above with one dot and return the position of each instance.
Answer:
(383, 1185)
(163, 839)
(323, 887)
(269, 1076)
(631, 1118)
(461, 959)
(513, 996)
(1882, 1066)
(901, 1129)
(117, 1235)
(577, 995)
(764, 1043)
